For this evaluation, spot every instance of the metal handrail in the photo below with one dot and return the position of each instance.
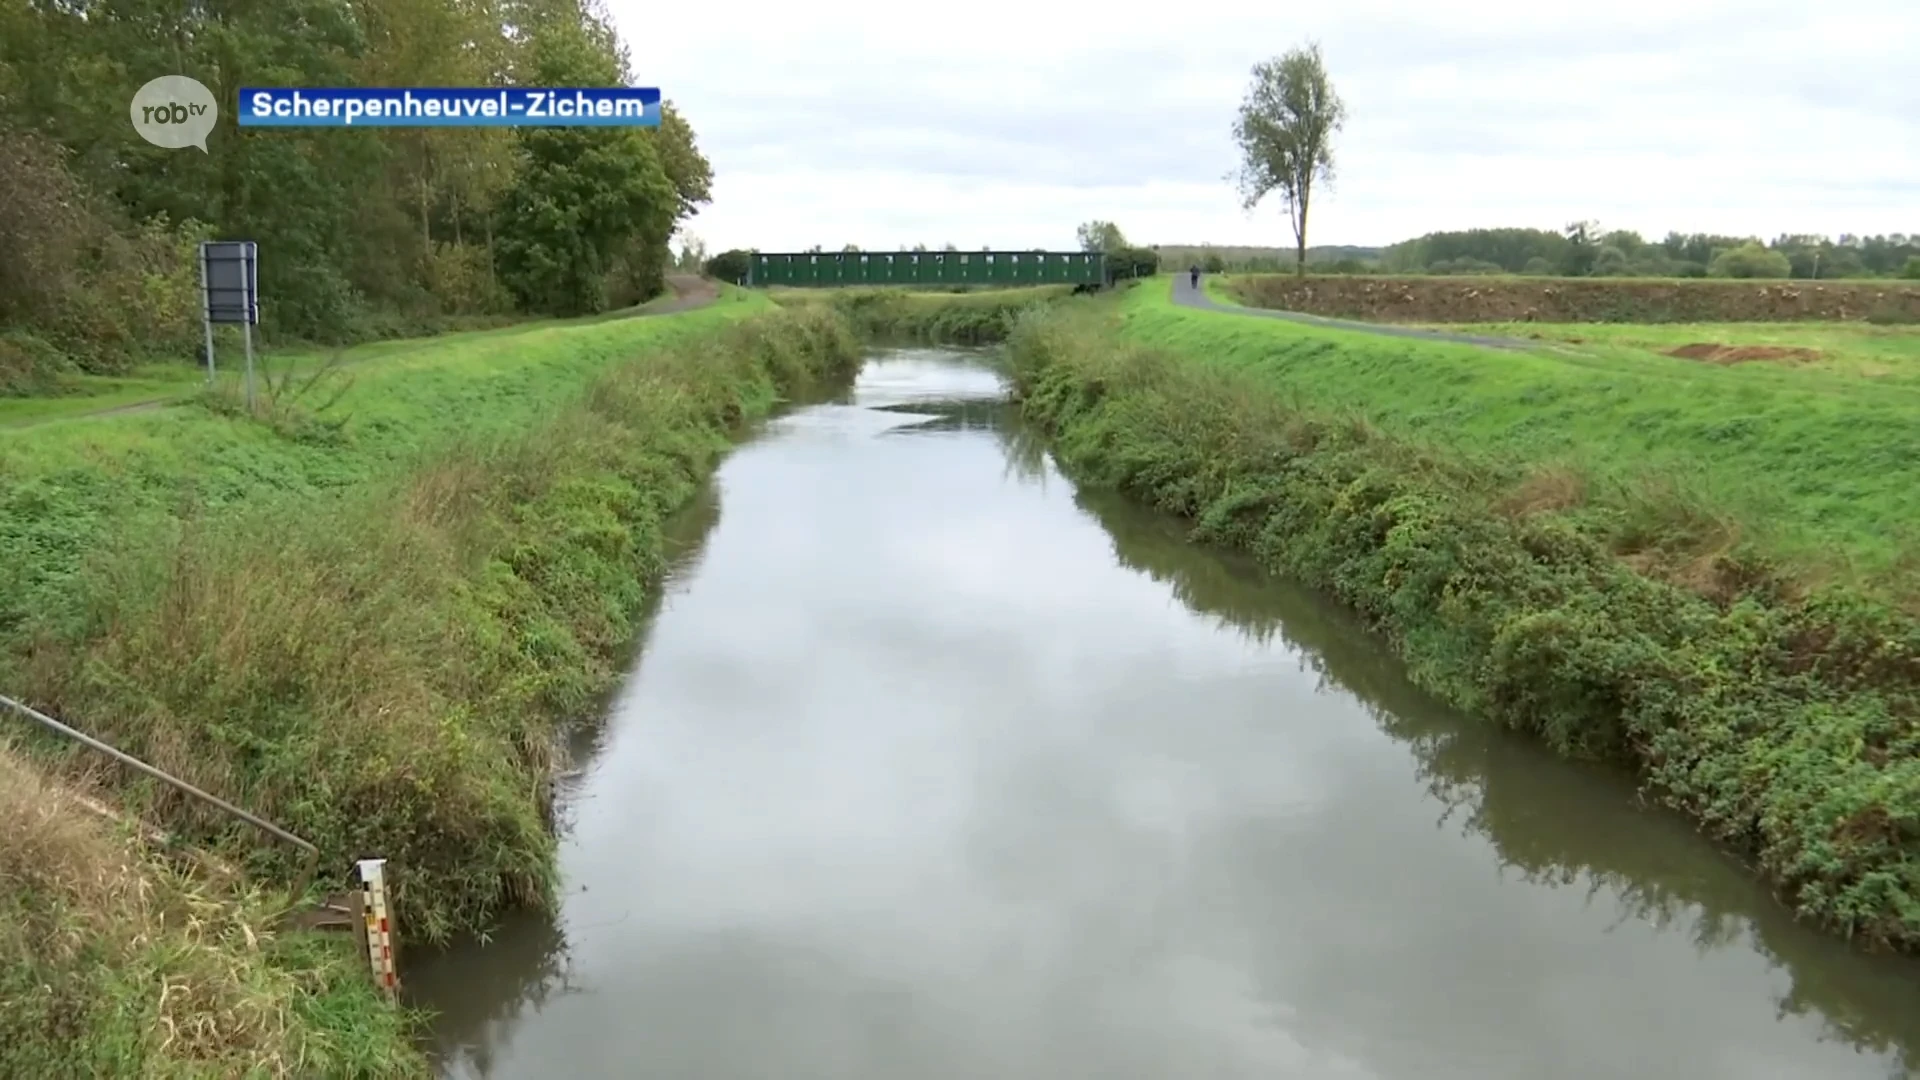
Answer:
(308, 867)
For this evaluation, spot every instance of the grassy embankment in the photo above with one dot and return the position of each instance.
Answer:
(369, 631)
(1699, 570)
(1430, 299)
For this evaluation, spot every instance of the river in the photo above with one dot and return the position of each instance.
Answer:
(932, 766)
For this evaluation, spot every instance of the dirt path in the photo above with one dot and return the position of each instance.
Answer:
(1186, 295)
(689, 291)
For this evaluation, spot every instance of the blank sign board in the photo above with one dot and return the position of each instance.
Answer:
(228, 269)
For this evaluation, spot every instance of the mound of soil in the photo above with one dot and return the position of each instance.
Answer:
(1573, 300)
(1737, 354)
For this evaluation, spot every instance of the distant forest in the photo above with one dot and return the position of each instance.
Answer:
(1585, 250)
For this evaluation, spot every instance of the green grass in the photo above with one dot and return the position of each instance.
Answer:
(1529, 534)
(1819, 465)
(114, 963)
(82, 394)
(1853, 350)
(64, 487)
(175, 382)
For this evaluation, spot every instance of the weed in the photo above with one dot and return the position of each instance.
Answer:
(115, 963)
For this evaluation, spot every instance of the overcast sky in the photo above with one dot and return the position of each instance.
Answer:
(1007, 124)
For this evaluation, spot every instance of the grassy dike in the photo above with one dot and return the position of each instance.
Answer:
(1608, 608)
(368, 631)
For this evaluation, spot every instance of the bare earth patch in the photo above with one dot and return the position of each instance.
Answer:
(1711, 353)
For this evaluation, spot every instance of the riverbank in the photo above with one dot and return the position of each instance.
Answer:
(1695, 570)
(113, 963)
(364, 613)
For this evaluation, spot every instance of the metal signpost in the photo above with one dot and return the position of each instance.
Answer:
(229, 282)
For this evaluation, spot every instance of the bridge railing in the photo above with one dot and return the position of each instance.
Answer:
(1002, 268)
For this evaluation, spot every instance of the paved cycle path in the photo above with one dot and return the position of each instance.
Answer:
(1188, 295)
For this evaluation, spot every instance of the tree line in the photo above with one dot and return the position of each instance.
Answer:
(1583, 249)
(362, 232)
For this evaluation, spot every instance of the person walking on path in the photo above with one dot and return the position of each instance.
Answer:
(1194, 276)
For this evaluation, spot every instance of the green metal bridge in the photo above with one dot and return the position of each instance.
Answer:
(1005, 268)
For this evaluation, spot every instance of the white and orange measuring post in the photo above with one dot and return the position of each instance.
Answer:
(373, 903)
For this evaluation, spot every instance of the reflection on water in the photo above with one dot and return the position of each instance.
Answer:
(1551, 822)
(1448, 901)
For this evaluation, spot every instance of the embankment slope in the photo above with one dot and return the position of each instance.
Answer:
(366, 616)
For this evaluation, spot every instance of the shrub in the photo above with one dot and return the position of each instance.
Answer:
(729, 266)
(1750, 260)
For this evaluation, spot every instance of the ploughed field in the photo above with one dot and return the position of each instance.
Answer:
(1429, 299)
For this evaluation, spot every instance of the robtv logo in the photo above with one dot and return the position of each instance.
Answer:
(175, 112)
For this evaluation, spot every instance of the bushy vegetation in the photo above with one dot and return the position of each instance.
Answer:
(900, 315)
(1126, 261)
(1529, 535)
(1584, 249)
(730, 266)
(115, 963)
(380, 232)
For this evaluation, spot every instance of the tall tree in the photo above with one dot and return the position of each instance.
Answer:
(1100, 236)
(1285, 130)
(590, 208)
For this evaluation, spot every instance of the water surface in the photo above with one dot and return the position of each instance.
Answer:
(930, 766)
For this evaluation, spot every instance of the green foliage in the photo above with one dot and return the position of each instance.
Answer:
(969, 318)
(31, 365)
(581, 194)
(730, 266)
(1463, 266)
(1749, 260)
(1100, 236)
(1612, 614)
(1285, 129)
(1912, 271)
(1133, 262)
(1584, 248)
(361, 232)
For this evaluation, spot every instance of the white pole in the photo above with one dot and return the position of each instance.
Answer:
(379, 925)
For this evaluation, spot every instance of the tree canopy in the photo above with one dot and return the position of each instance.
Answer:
(1285, 131)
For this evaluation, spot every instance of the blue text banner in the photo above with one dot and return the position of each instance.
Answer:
(443, 106)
